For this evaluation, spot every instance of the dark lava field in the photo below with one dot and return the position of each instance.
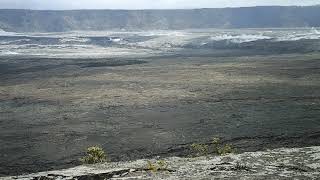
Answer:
(141, 96)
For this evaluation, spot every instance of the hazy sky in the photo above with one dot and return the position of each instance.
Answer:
(144, 4)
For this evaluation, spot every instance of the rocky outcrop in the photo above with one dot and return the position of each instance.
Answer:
(294, 163)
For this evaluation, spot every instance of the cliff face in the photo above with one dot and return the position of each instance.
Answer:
(295, 163)
(251, 17)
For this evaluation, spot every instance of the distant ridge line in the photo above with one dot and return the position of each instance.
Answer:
(18, 20)
(154, 9)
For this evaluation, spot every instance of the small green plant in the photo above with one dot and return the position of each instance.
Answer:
(200, 149)
(94, 155)
(151, 167)
(160, 165)
(215, 144)
(215, 140)
(220, 149)
(216, 148)
(224, 150)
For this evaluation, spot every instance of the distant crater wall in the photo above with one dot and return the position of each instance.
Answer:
(250, 17)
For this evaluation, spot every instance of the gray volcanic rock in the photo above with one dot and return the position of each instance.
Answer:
(284, 163)
(249, 17)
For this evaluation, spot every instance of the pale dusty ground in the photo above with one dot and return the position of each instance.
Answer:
(295, 163)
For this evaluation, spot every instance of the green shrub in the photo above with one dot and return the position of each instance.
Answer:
(216, 148)
(160, 165)
(151, 167)
(94, 155)
(215, 145)
(220, 149)
(215, 141)
(224, 150)
(200, 149)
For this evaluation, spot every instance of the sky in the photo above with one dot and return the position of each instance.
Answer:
(145, 4)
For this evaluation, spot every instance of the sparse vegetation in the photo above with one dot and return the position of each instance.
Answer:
(216, 148)
(224, 150)
(94, 155)
(220, 149)
(160, 165)
(215, 144)
(152, 167)
(200, 149)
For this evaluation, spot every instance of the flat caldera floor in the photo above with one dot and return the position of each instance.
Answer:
(51, 110)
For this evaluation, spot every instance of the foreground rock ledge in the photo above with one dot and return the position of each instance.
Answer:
(284, 163)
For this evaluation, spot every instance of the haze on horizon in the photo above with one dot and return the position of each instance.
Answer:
(145, 4)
